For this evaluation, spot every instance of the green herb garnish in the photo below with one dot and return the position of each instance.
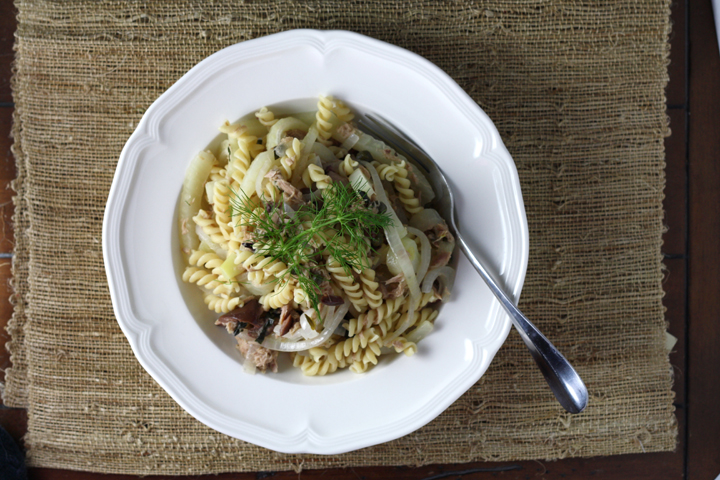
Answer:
(340, 224)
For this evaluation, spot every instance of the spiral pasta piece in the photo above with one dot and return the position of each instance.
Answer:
(405, 192)
(358, 342)
(263, 266)
(207, 260)
(360, 353)
(282, 295)
(348, 165)
(266, 117)
(233, 130)
(388, 324)
(316, 174)
(323, 117)
(351, 288)
(221, 207)
(425, 298)
(402, 344)
(270, 192)
(300, 296)
(312, 367)
(426, 315)
(341, 111)
(222, 304)
(242, 156)
(201, 277)
(217, 173)
(374, 316)
(205, 221)
(372, 294)
(272, 267)
(359, 367)
(388, 171)
(290, 159)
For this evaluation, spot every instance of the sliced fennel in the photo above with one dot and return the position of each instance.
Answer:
(278, 131)
(393, 263)
(229, 269)
(323, 152)
(191, 198)
(361, 183)
(248, 183)
(210, 192)
(382, 197)
(422, 331)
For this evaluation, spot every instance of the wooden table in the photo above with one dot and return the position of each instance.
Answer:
(692, 253)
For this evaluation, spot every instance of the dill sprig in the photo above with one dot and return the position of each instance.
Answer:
(340, 225)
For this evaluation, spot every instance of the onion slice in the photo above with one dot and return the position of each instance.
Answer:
(424, 252)
(273, 343)
(446, 275)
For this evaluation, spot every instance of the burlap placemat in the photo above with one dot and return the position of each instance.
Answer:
(577, 92)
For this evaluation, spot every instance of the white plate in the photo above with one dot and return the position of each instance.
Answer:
(166, 322)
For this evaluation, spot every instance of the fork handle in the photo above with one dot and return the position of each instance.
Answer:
(565, 383)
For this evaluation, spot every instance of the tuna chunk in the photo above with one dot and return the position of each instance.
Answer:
(262, 357)
(291, 195)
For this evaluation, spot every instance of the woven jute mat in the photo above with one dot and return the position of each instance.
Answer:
(577, 92)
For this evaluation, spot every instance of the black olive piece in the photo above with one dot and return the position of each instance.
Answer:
(249, 245)
(259, 141)
(332, 300)
(381, 208)
(364, 156)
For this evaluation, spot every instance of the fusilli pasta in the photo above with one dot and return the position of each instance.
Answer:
(274, 233)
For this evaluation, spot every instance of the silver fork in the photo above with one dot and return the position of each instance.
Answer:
(562, 378)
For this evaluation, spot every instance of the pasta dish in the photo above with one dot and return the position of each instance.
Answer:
(309, 236)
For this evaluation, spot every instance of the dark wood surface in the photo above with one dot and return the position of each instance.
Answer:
(692, 284)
